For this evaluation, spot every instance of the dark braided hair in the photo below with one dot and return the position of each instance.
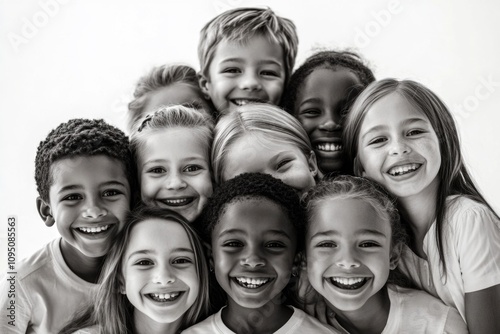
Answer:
(325, 59)
(81, 137)
(252, 185)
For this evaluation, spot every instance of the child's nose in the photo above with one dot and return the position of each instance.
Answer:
(163, 275)
(250, 81)
(253, 259)
(346, 259)
(175, 181)
(94, 209)
(399, 147)
(330, 121)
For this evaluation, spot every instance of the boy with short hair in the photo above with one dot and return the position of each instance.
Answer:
(84, 174)
(246, 55)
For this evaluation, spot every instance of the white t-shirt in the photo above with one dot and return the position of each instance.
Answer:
(471, 251)
(417, 312)
(47, 293)
(299, 322)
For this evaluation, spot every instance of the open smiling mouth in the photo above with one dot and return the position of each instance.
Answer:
(251, 283)
(348, 283)
(242, 102)
(165, 297)
(329, 147)
(93, 230)
(177, 201)
(404, 169)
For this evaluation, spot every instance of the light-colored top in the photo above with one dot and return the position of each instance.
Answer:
(299, 322)
(471, 251)
(47, 293)
(417, 312)
(88, 330)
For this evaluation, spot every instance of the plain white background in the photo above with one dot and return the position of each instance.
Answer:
(68, 59)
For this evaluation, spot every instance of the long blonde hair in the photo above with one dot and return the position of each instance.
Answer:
(272, 122)
(111, 310)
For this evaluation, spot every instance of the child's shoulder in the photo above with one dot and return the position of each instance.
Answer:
(38, 260)
(212, 324)
(461, 208)
(301, 322)
(421, 312)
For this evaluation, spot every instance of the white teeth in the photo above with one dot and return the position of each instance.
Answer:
(175, 201)
(252, 283)
(241, 102)
(93, 229)
(164, 296)
(329, 147)
(348, 281)
(401, 170)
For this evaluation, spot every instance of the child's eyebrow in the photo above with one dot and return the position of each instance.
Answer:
(80, 187)
(374, 129)
(278, 233)
(260, 62)
(371, 232)
(150, 251)
(405, 122)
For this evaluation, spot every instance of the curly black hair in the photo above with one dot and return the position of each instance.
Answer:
(81, 137)
(252, 185)
(333, 60)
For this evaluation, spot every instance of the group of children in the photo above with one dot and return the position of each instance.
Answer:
(226, 213)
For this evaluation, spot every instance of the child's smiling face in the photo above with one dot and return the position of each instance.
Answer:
(254, 153)
(398, 147)
(348, 248)
(159, 271)
(174, 171)
(89, 199)
(240, 73)
(319, 105)
(253, 249)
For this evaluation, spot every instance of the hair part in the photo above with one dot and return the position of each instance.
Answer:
(81, 138)
(157, 78)
(454, 178)
(332, 60)
(111, 310)
(255, 118)
(240, 25)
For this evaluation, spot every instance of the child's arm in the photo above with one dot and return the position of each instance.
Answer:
(481, 310)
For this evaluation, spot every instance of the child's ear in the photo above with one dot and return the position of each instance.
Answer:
(204, 83)
(313, 164)
(208, 249)
(44, 211)
(121, 286)
(395, 255)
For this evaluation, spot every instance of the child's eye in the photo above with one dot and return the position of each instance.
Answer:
(310, 112)
(157, 170)
(414, 132)
(192, 168)
(111, 192)
(366, 244)
(283, 163)
(231, 70)
(270, 73)
(275, 244)
(328, 244)
(72, 197)
(233, 244)
(144, 263)
(378, 140)
(182, 260)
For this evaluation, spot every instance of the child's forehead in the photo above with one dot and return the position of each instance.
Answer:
(94, 168)
(255, 40)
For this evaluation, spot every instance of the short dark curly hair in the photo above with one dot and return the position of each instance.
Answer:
(251, 186)
(333, 60)
(81, 137)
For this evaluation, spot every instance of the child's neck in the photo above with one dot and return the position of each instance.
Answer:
(87, 268)
(371, 318)
(266, 319)
(420, 212)
(145, 325)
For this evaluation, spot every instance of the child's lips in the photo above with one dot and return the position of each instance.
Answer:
(402, 169)
(165, 297)
(176, 202)
(351, 283)
(244, 101)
